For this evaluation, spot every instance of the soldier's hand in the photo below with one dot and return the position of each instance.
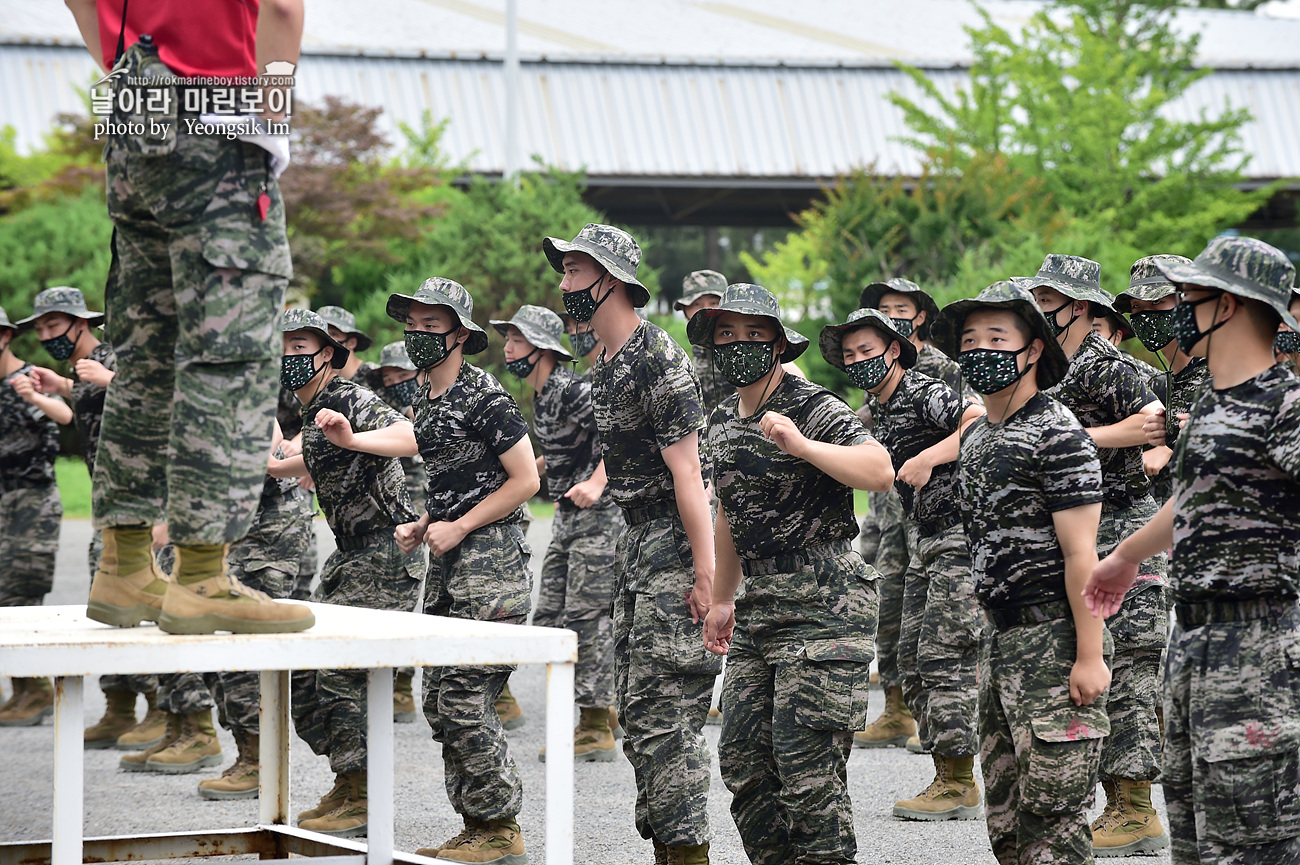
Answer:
(585, 493)
(94, 372)
(915, 472)
(443, 537)
(719, 626)
(1088, 679)
(24, 386)
(783, 433)
(408, 536)
(1154, 428)
(1154, 460)
(337, 428)
(306, 483)
(700, 597)
(1109, 583)
(292, 447)
(47, 380)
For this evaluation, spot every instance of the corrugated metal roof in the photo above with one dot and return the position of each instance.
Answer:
(662, 121)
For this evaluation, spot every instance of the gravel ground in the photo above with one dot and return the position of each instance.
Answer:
(119, 803)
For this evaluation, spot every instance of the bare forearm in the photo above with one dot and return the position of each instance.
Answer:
(87, 18)
(1125, 434)
(54, 409)
(293, 467)
(693, 507)
(500, 504)
(727, 574)
(1155, 537)
(396, 440)
(863, 466)
(1087, 627)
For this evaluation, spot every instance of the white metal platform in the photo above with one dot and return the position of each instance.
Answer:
(63, 643)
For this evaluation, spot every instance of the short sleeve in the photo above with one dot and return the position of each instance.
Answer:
(827, 418)
(1284, 440)
(670, 394)
(498, 421)
(370, 413)
(942, 406)
(1119, 388)
(1069, 468)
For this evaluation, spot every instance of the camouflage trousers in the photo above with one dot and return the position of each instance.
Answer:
(487, 579)
(798, 675)
(329, 706)
(1141, 632)
(884, 543)
(307, 565)
(577, 585)
(1039, 752)
(663, 677)
(938, 648)
(30, 518)
(193, 304)
(1232, 741)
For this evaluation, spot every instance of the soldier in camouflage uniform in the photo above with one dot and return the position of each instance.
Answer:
(1111, 397)
(288, 414)
(350, 443)
(912, 311)
(1030, 485)
(1286, 345)
(583, 340)
(1149, 302)
(798, 635)
(577, 579)
(702, 289)
(343, 327)
(918, 418)
(467, 425)
(649, 414)
(1232, 745)
(30, 508)
(1113, 328)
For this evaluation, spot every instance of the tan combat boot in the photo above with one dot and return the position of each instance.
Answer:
(952, 795)
(240, 780)
(714, 718)
(404, 709)
(914, 746)
(499, 841)
(593, 741)
(128, 588)
(139, 760)
(119, 717)
(32, 702)
(349, 817)
(471, 826)
(614, 726)
(206, 599)
(508, 711)
(328, 802)
(892, 729)
(196, 747)
(692, 854)
(661, 851)
(150, 731)
(1129, 824)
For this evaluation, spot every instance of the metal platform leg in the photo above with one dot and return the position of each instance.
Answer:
(69, 745)
(379, 766)
(559, 764)
(273, 749)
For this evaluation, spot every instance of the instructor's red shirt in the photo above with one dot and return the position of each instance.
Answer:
(214, 38)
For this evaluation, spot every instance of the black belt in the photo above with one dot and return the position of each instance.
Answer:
(1005, 618)
(1196, 615)
(786, 563)
(360, 542)
(930, 528)
(653, 511)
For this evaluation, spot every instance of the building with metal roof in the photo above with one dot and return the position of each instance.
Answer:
(695, 111)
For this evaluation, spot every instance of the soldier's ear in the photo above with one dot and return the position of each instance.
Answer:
(1035, 350)
(919, 319)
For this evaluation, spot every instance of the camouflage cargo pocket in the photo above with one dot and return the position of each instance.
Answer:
(663, 630)
(832, 682)
(1251, 790)
(1064, 751)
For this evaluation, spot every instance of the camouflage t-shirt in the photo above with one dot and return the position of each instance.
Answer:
(462, 434)
(1012, 477)
(1237, 492)
(921, 412)
(1102, 387)
(368, 375)
(1187, 384)
(934, 363)
(29, 441)
(776, 502)
(646, 398)
(359, 493)
(713, 386)
(88, 404)
(566, 432)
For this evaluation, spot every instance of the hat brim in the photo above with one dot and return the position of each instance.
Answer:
(870, 299)
(831, 341)
(95, 319)
(1072, 291)
(400, 304)
(699, 330)
(555, 248)
(681, 303)
(1194, 274)
(1053, 363)
(340, 357)
(1146, 291)
(536, 338)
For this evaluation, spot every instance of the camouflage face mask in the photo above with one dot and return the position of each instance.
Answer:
(869, 373)
(1287, 342)
(1050, 315)
(1154, 328)
(522, 367)
(743, 363)
(427, 349)
(403, 392)
(582, 342)
(582, 305)
(296, 370)
(60, 347)
(904, 326)
(1186, 330)
(990, 370)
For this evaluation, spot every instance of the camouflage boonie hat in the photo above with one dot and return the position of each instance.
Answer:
(1075, 277)
(539, 325)
(746, 299)
(831, 341)
(612, 247)
(699, 283)
(1245, 267)
(65, 299)
(394, 355)
(1008, 295)
(1146, 282)
(346, 322)
(4, 320)
(872, 293)
(439, 291)
(304, 319)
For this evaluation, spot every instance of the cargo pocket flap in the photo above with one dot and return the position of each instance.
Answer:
(1072, 724)
(1245, 741)
(249, 247)
(845, 649)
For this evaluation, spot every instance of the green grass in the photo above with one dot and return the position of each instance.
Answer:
(74, 487)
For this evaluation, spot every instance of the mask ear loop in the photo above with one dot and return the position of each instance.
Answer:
(1019, 378)
(1209, 341)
